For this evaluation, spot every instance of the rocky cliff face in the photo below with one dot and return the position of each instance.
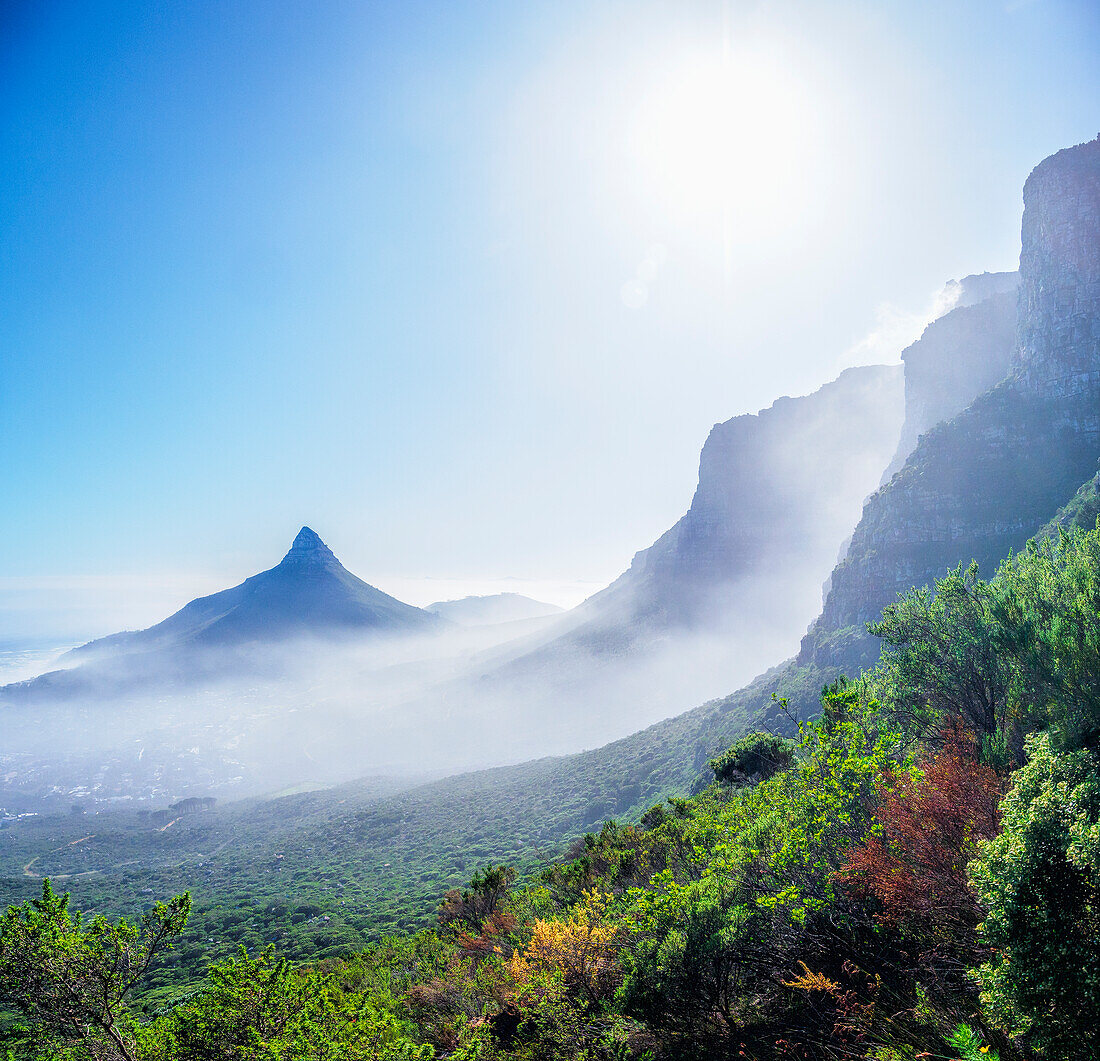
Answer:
(977, 287)
(778, 490)
(1058, 350)
(985, 481)
(960, 355)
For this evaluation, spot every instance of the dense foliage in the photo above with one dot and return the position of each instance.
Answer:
(915, 875)
(1039, 882)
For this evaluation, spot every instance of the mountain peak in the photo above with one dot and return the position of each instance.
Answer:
(307, 548)
(307, 537)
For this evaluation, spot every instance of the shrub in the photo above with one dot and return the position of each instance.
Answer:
(754, 758)
(925, 833)
(1040, 882)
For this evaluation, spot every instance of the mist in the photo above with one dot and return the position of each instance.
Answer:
(266, 706)
(311, 713)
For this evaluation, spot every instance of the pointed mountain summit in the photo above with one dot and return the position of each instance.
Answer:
(309, 593)
(308, 551)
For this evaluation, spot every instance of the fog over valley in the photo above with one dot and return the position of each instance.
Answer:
(306, 676)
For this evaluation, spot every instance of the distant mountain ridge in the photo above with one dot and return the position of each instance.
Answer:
(493, 608)
(308, 594)
(778, 492)
(733, 583)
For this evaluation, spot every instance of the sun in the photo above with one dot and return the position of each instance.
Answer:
(722, 139)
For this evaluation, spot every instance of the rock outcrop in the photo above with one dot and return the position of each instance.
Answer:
(959, 356)
(977, 287)
(1058, 350)
(980, 484)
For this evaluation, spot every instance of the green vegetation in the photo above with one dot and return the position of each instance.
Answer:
(917, 875)
(1080, 513)
(755, 757)
(71, 982)
(1039, 882)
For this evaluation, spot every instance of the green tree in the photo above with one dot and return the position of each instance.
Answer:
(71, 979)
(1048, 621)
(1040, 883)
(755, 757)
(1017, 653)
(753, 889)
(470, 909)
(256, 1009)
(944, 657)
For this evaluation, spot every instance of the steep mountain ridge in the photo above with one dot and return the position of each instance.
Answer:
(733, 583)
(562, 796)
(777, 493)
(785, 483)
(983, 482)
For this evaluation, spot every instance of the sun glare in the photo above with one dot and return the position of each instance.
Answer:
(722, 140)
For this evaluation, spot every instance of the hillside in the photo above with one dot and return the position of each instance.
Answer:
(361, 862)
(1081, 512)
(730, 587)
(820, 894)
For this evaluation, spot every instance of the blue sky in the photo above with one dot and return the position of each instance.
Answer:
(464, 285)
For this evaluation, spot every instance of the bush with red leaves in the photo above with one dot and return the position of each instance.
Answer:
(915, 861)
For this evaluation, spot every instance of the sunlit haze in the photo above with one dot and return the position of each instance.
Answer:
(464, 286)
